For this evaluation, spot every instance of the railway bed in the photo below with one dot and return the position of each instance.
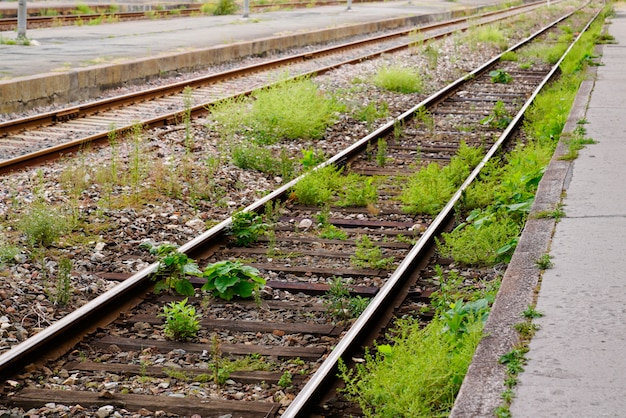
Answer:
(279, 270)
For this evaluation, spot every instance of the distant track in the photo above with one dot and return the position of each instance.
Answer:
(31, 140)
(98, 331)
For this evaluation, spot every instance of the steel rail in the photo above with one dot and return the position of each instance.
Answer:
(317, 384)
(74, 112)
(61, 334)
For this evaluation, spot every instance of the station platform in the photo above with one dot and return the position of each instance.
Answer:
(577, 359)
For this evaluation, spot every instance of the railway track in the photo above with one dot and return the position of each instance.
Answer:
(34, 139)
(287, 334)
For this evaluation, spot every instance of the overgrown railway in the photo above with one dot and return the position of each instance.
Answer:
(289, 339)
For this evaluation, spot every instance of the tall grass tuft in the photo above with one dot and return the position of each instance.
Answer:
(399, 79)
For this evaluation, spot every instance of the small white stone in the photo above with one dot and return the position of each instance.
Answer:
(305, 224)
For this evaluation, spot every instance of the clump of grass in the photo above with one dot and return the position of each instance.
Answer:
(479, 245)
(357, 190)
(293, 109)
(225, 7)
(327, 185)
(418, 376)
(371, 112)
(489, 34)
(83, 9)
(399, 79)
(62, 291)
(509, 56)
(255, 157)
(499, 118)
(339, 304)
(43, 224)
(430, 188)
(369, 255)
(318, 186)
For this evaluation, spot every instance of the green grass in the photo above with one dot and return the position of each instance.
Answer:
(429, 189)
(291, 110)
(399, 79)
(328, 185)
(418, 376)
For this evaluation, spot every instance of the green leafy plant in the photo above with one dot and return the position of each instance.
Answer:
(460, 314)
(255, 157)
(480, 245)
(500, 76)
(173, 269)
(370, 113)
(246, 228)
(369, 255)
(499, 117)
(339, 304)
(286, 380)
(227, 279)
(430, 188)
(317, 187)
(188, 105)
(424, 119)
(330, 231)
(530, 313)
(526, 329)
(181, 320)
(357, 190)
(557, 213)
(43, 224)
(509, 56)
(8, 252)
(381, 152)
(418, 375)
(225, 7)
(311, 158)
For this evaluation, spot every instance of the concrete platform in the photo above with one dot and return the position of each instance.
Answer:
(75, 62)
(577, 360)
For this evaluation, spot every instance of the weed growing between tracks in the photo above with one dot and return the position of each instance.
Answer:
(376, 384)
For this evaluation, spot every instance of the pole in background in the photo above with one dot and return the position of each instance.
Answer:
(246, 8)
(349, 5)
(21, 19)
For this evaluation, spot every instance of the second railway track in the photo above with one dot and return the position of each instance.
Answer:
(32, 139)
(289, 333)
